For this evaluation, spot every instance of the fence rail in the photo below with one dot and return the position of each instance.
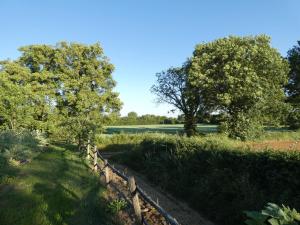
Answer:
(135, 190)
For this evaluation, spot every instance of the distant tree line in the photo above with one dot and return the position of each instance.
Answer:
(243, 79)
(132, 118)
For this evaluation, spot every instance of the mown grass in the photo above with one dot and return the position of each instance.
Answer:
(271, 133)
(159, 128)
(56, 187)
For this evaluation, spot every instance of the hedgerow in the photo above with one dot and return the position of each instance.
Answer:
(215, 176)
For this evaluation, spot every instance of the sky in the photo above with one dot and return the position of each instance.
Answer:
(144, 37)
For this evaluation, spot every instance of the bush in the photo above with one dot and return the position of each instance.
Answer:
(116, 206)
(294, 120)
(215, 176)
(273, 215)
(19, 146)
(242, 126)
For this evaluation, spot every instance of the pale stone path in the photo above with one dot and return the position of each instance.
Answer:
(176, 208)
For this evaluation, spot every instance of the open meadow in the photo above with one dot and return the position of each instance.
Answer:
(158, 128)
(273, 137)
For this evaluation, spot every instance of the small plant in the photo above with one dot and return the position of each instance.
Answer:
(273, 215)
(116, 206)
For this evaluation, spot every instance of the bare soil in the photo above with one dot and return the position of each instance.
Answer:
(276, 145)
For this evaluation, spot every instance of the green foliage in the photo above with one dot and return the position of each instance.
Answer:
(273, 215)
(241, 77)
(174, 87)
(83, 81)
(293, 87)
(242, 126)
(293, 119)
(133, 119)
(280, 134)
(116, 206)
(162, 128)
(16, 97)
(211, 171)
(65, 90)
(19, 146)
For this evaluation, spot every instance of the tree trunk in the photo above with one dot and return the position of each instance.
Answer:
(190, 124)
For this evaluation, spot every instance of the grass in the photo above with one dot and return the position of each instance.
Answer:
(55, 188)
(159, 128)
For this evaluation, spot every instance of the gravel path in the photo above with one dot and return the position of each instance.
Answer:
(178, 209)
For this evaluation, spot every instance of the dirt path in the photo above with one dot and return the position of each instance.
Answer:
(176, 208)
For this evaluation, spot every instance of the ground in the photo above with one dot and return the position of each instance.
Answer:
(164, 128)
(176, 208)
(279, 138)
(289, 145)
(56, 187)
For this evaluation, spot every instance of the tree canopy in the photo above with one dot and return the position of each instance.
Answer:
(293, 86)
(72, 88)
(16, 97)
(173, 87)
(242, 77)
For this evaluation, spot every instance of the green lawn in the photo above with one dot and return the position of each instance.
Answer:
(55, 188)
(160, 128)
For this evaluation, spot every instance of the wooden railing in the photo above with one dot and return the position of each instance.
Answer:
(136, 193)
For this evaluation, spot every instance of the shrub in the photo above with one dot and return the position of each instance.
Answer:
(116, 206)
(273, 215)
(19, 146)
(215, 176)
(294, 119)
(242, 126)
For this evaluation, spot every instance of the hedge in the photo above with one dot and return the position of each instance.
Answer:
(215, 177)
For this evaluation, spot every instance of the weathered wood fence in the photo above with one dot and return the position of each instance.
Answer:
(107, 170)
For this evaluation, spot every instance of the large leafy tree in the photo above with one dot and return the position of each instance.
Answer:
(242, 77)
(293, 87)
(16, 97)
(173, 87)
(75, 83)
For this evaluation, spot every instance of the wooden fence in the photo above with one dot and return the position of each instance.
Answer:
(107, 170)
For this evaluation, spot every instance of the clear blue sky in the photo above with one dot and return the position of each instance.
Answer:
(143, 37)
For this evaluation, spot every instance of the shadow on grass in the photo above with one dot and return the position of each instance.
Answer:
(159, 129)
(55, 188)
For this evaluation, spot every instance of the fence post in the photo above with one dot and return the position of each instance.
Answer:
(95, 159)
(106, 172)
(88, 150)
(135, 199)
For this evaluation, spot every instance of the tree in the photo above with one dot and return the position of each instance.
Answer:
(16, 97)
(293, 86)
(242, 77)
(77, 81)
(173, 87)
(132, 118)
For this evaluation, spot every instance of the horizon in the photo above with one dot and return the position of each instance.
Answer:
(146, 38)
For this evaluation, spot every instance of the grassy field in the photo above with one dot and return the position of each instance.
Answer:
(172, 129)
(159, 128)
(55, 188)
